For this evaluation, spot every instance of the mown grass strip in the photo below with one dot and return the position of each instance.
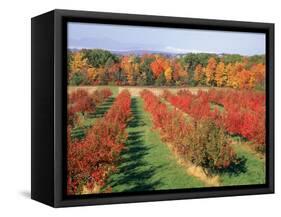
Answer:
(252, 172)
(147, 163)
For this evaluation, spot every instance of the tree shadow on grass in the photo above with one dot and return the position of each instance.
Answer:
(102, 109)
(137, 120)
(134, 173)
(236, 168)
(80, 132)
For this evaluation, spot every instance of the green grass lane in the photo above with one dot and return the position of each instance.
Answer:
(89, 119)
(147, 163)
(251, 171)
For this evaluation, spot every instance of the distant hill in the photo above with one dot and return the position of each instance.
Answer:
(165, 53)
(135, 52)
(142, 52)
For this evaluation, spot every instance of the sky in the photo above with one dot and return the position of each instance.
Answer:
(129, 38)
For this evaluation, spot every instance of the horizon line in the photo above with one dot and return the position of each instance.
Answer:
(164, 51)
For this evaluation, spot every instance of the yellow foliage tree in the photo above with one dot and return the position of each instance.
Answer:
(210, 71)
(220, 76)
(78, 63)
(198, 73)
(92, 73)
(232, 72)
(168, 74)
(128, 68)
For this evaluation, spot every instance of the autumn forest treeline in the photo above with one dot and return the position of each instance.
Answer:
(101, 67)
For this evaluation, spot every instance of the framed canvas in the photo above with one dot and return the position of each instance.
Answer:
(134, 108)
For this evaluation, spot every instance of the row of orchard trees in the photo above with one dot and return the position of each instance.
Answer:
(100, 67)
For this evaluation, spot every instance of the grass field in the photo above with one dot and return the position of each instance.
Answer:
(148, 164)
(252, 172)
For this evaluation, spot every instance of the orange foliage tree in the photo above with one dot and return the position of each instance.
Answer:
(245, 79)
(159, 65)
(259, 71)
(179, 73)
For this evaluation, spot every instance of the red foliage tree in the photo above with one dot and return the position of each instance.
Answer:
(80, 101)
(158, 66)
(190, 140)
(91, 159)
(244, 113)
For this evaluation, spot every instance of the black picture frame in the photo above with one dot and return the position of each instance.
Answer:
(48, 147)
